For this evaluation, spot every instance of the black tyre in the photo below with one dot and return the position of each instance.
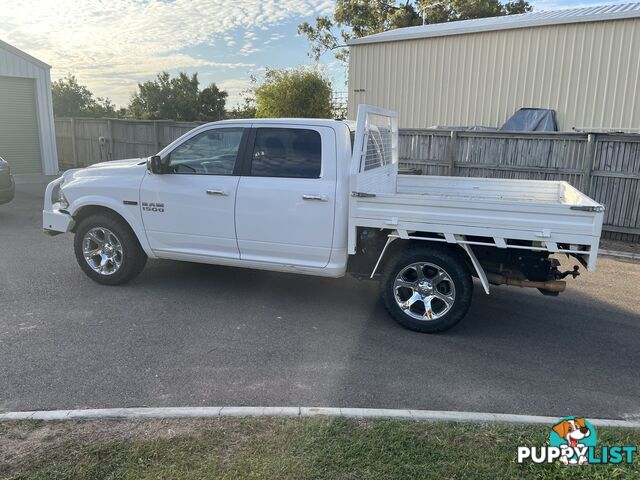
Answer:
(107, 250)
(427, 288)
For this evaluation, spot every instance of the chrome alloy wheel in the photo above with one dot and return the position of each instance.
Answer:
(102, 250)
(424, 291)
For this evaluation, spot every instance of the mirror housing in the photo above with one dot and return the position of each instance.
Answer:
(157, 165)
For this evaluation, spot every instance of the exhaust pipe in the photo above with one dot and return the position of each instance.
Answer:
(551, 286)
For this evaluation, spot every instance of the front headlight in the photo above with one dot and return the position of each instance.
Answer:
(57, 196)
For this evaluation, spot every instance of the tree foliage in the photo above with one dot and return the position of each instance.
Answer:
(178, 98)
(70, 99)
(355, 19)
(359, 18)
(247, 109)
(212, 102)
(299, 92)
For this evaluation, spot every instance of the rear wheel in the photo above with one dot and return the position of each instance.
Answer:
(107, 250)
(427, 289)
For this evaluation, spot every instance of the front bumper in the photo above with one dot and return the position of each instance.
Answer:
(54, 219)
(7, 193)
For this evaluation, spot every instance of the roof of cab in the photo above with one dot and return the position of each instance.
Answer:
(289, 121)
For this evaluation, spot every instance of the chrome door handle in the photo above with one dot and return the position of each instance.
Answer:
(321, 198)
(217, 192)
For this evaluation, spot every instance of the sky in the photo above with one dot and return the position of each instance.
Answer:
(112, 45)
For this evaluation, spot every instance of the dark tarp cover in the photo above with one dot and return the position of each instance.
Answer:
(532, 120)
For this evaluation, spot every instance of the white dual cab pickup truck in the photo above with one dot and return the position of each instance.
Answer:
(323, 197)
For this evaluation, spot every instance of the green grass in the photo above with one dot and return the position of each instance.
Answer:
(314, 448)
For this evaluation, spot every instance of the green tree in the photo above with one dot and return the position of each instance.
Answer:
(355, 19)
(70, 99)
(152, 100)
(247, 109)
(212, 101)
(437, 11)
(299, 92)
(177, 98)
(516, 7)
(359, 18)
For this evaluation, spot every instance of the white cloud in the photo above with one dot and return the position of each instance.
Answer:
(229, 40)
(113, 44)
(248, 49)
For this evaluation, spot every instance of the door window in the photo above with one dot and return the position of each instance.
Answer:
(213, 152)
(286, 152)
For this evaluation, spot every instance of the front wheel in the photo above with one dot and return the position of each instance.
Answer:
(427, 288)
(107, 250)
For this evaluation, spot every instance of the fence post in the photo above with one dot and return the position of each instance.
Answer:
(156, 137)
(452, 152)
(74, 147)
(110, 133)
(589, 160)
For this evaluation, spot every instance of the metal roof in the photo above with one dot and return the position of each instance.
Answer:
(533, 19)
(24, 55)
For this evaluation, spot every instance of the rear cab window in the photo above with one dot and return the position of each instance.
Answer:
(286, 152)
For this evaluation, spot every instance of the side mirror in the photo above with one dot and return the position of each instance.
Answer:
(157, 165)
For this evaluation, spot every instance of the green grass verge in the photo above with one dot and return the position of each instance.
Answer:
(314, 448)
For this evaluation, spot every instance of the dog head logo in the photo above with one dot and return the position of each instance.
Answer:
(572, 430)
(574, 435)
(573, 441)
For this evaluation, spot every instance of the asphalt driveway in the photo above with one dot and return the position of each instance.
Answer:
(193, 335)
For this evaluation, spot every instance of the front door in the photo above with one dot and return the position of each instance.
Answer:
(191, 209)
(286, 196)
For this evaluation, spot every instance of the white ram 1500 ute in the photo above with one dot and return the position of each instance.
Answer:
(323, 197)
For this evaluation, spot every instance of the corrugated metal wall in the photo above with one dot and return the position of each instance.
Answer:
(14, 65)
(588, 72)
(19, 137)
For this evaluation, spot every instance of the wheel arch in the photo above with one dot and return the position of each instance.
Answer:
(447, 260)
(81, 212)
(463, 251)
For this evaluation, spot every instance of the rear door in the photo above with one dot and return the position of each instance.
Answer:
(286, 196)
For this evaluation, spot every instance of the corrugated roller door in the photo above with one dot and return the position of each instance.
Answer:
(19, 140)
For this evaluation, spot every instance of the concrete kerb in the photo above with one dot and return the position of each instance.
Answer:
(379, 413)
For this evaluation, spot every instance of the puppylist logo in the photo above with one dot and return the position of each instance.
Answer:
(573, 441)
